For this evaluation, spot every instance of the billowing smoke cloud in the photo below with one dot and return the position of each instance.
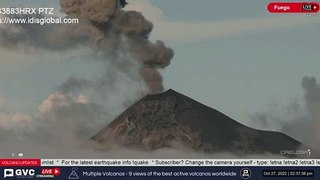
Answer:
(117, 37)
(299, 119)
(125, 31)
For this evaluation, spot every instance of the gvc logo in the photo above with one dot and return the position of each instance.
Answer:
(19, 173)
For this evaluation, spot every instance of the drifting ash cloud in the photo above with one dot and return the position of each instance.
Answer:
(300, 120)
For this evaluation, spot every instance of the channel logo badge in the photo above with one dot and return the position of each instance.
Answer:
(8, 173)
(19, 173)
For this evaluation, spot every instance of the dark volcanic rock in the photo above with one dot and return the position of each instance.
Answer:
(170, 118)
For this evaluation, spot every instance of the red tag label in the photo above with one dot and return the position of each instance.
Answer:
(20, 162)
(293, 7)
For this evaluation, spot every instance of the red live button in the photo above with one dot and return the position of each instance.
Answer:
(20, 162)
(293, 7)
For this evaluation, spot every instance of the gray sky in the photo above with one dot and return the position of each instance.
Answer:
(233, 56)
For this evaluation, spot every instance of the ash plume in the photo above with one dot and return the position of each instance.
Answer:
(118, 37)
(119, 30)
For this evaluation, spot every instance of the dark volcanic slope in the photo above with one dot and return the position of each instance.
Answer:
(163, 120)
